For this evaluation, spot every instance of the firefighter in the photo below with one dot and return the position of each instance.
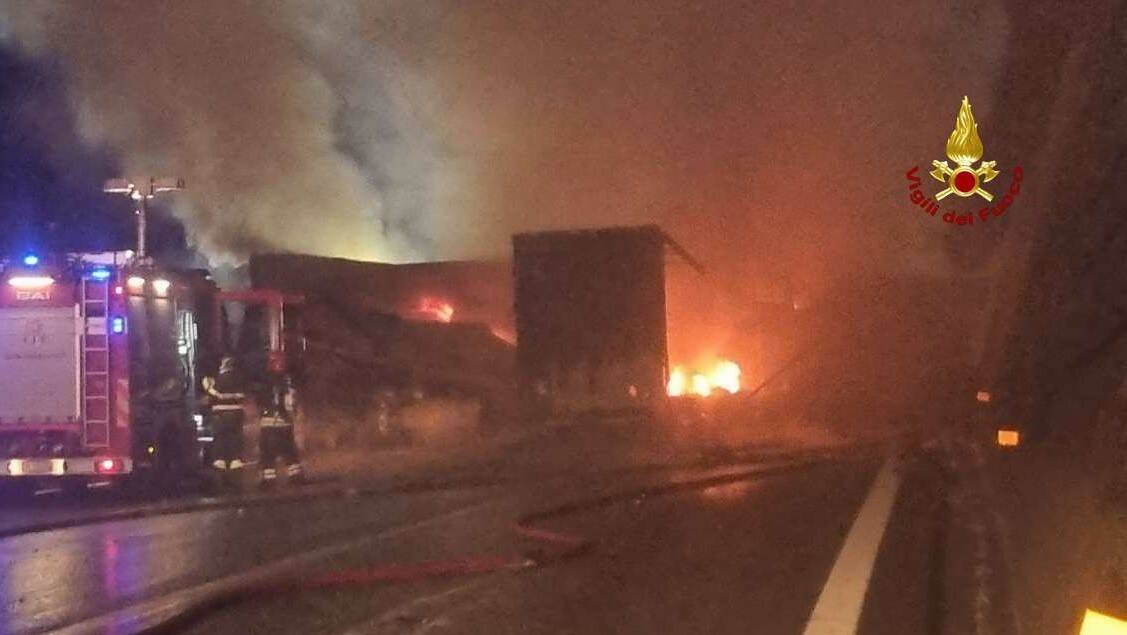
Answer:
(225, 393)
(276, 436)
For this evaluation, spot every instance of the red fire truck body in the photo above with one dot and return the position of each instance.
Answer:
(99, 368)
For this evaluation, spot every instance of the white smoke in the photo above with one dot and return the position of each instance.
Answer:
(292, 132)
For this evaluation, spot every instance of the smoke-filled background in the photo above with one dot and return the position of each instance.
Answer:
(769, 137)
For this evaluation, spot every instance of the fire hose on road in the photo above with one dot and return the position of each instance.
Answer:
(552, 546)
(555, 546)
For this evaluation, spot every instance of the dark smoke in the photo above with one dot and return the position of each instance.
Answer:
(770, 139)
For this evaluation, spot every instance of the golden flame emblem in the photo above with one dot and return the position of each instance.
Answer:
(964, 147)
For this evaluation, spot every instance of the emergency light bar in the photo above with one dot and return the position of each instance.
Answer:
(31, 282)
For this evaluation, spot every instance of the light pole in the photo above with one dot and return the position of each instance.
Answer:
(142, 195)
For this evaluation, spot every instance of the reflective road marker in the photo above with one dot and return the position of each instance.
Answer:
(1100, 624)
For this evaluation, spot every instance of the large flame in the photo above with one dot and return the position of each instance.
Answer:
(678, 381)
(723, 375)
(964, 145)
(726, 376)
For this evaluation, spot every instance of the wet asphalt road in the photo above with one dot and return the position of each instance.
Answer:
(749, 556)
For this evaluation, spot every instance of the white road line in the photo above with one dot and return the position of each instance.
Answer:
(839, 606)
(150, 613)
(406, 612)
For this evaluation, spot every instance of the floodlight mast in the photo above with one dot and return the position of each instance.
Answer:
(141, 196)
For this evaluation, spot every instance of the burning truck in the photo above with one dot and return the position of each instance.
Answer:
(400, 353)
(592, 326)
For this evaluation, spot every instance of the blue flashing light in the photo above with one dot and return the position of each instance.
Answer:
(30, 260)
(117, 325)
(101, 275)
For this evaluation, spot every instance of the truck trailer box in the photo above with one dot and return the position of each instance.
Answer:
(590, 319)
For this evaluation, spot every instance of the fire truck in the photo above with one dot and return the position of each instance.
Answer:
(100, 359)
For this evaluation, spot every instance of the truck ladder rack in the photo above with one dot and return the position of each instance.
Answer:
(95, 363)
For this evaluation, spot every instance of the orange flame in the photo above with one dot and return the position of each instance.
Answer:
(677, 382)
(701, 386)
(435, 309)
(723, 375)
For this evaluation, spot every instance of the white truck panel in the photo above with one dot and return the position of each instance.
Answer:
(39, 365)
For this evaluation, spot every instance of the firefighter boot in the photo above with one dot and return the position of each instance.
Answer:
(230, 478)
(295, 475)
(269, 478)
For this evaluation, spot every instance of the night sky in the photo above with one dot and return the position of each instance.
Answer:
(50, 178)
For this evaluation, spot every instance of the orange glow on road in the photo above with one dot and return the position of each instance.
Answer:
(723, 375)
(727, 492)
(502, 334)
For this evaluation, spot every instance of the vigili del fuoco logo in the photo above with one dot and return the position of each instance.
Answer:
(964, 148)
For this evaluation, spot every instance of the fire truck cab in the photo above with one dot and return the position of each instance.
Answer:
(99, 365)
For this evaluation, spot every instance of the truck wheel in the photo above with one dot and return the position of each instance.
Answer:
(15, 491)
(153, 482)
(75, 489)
(171, 463)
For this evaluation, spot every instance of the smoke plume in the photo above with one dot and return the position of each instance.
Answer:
(258, 110)
(770, 138)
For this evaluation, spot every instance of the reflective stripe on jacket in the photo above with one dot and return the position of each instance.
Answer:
(222, 400)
